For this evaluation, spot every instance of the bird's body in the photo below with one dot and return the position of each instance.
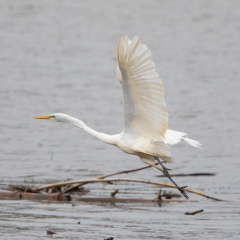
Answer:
(145, 132)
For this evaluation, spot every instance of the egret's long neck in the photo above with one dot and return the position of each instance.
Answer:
(110, 139)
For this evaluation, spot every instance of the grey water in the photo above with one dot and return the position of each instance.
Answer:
(60, 56)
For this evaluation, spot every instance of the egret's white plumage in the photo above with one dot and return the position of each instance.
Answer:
(145, 111)
(145, 132)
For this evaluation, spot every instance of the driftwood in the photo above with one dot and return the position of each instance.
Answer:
(123, 180)
(69, 189)
(53, 197)
(75, 186)
(31, 193)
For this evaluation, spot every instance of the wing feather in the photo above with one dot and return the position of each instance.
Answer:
(145, 112)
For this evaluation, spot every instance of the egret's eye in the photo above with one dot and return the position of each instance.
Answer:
(52, 116)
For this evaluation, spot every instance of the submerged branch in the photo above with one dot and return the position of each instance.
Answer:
(190, 175)
(66, 197)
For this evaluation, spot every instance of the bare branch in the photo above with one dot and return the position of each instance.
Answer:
(124, 171)
(123, 180)
(109, 175)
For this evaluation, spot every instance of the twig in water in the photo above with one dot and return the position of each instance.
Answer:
(159, 196)
(49, 232)
(193, 213)
(114, 193)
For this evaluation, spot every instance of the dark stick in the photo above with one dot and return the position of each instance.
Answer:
(190, 175)
(193, 213)
(49, 232)
(114, 193)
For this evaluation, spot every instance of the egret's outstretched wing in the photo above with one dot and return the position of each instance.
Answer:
(145, 112)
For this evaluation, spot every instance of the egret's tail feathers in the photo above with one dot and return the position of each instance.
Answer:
(192, 142)
(173, 137)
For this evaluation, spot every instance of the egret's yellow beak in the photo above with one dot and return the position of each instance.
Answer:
(43, 117)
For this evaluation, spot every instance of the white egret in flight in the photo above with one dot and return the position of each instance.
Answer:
(145, 132)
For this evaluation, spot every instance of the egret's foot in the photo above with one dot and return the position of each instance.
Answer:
(165, 171)
(163, 167)
(183, 193)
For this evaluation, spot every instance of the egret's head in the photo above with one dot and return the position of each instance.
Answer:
(56, 117)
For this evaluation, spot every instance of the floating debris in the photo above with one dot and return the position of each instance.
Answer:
(193, 213)
(49, 232)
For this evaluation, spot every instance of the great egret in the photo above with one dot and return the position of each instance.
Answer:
(145, 132)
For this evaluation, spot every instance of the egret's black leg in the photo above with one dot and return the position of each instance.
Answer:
(165, 171)
(161, 163)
